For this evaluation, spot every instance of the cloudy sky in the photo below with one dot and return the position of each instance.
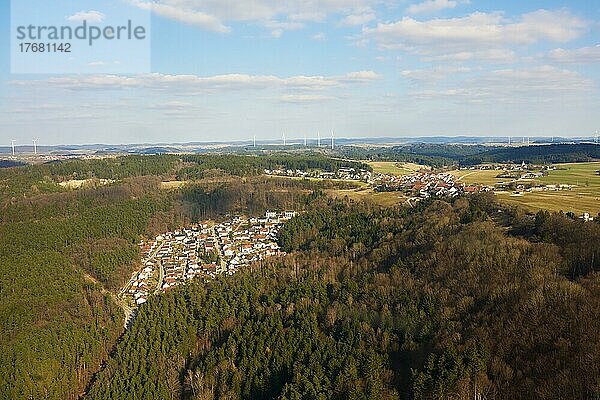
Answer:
(230, 69)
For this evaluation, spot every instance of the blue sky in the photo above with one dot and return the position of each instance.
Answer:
(227, 70)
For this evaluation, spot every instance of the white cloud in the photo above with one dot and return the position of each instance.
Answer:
(433, 74)
(361, 76)
(431, 6)
(539, 84)
(191, 84)
(305, 98)
(89, 16)
(583, 55)
(277, 27)
(496, 56)
(214, 14)
(358, 19)
(173, 106)
(476, 32)
(185, 15)
(97, 64)
(319, 36)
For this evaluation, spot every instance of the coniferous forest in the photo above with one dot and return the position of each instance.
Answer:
(453, 299)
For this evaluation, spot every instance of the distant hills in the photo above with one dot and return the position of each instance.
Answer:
(555, 153)
(432, 151)
(200, 147)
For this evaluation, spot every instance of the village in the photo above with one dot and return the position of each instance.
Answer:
(421, 184)
(346, 174)
(425, 184)
(203, 251)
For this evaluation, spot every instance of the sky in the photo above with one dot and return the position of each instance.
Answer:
(219, 70)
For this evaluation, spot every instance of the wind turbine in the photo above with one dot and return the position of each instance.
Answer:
(254, 141)
(12, 142)
(318, 139)
(34, 146)
(305, 139)
(284, 142)
(332, 140)
(596, 137)
(509, 139)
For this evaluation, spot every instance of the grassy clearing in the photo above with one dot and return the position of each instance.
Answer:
(75, 184)
(386, 199)
(481, 177)
(555, 201)
(395, 168)
(584, 197)
(584, 175)
(173, 185)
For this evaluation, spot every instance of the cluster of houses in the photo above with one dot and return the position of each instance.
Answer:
(349, 174)
(425, 184)
(545, 188)
(243, 241)
(509, 167)
(421, 184)
(205, 250)
(140, 284)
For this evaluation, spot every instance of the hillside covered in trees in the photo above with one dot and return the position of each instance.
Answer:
(433, 303)
(64, 253)
(544, 154)
(447, 300)
(440, 155)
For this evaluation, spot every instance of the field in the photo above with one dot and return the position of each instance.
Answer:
(173, 185)
(394, 168)
(556, 201)
(584, 197)
(386, 199)
(85, 183)
(482, 177)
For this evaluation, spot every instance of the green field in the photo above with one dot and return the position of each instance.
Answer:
(481, 177)
(385, 199)
(584, 175)
(556, 201)
(394, 168)
(584, 197)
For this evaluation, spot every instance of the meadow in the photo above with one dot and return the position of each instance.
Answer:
(583, 197)
(395, 168)
(385, 199)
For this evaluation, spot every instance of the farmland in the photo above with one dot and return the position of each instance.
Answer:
(583, 197)
(394, 168)
(478, 176)
(385, 199)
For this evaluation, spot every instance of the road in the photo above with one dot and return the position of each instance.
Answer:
(460, 178)
(222, 263)
(408, 201)
(128, 311)
(135, 273)
(161, 276)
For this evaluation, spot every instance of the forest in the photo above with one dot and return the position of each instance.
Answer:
(433, 155)
(437, 302)
(245, 165)
(441, 155)
(540, 154)
(451, 299)
(10, 164)
(62, 253)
